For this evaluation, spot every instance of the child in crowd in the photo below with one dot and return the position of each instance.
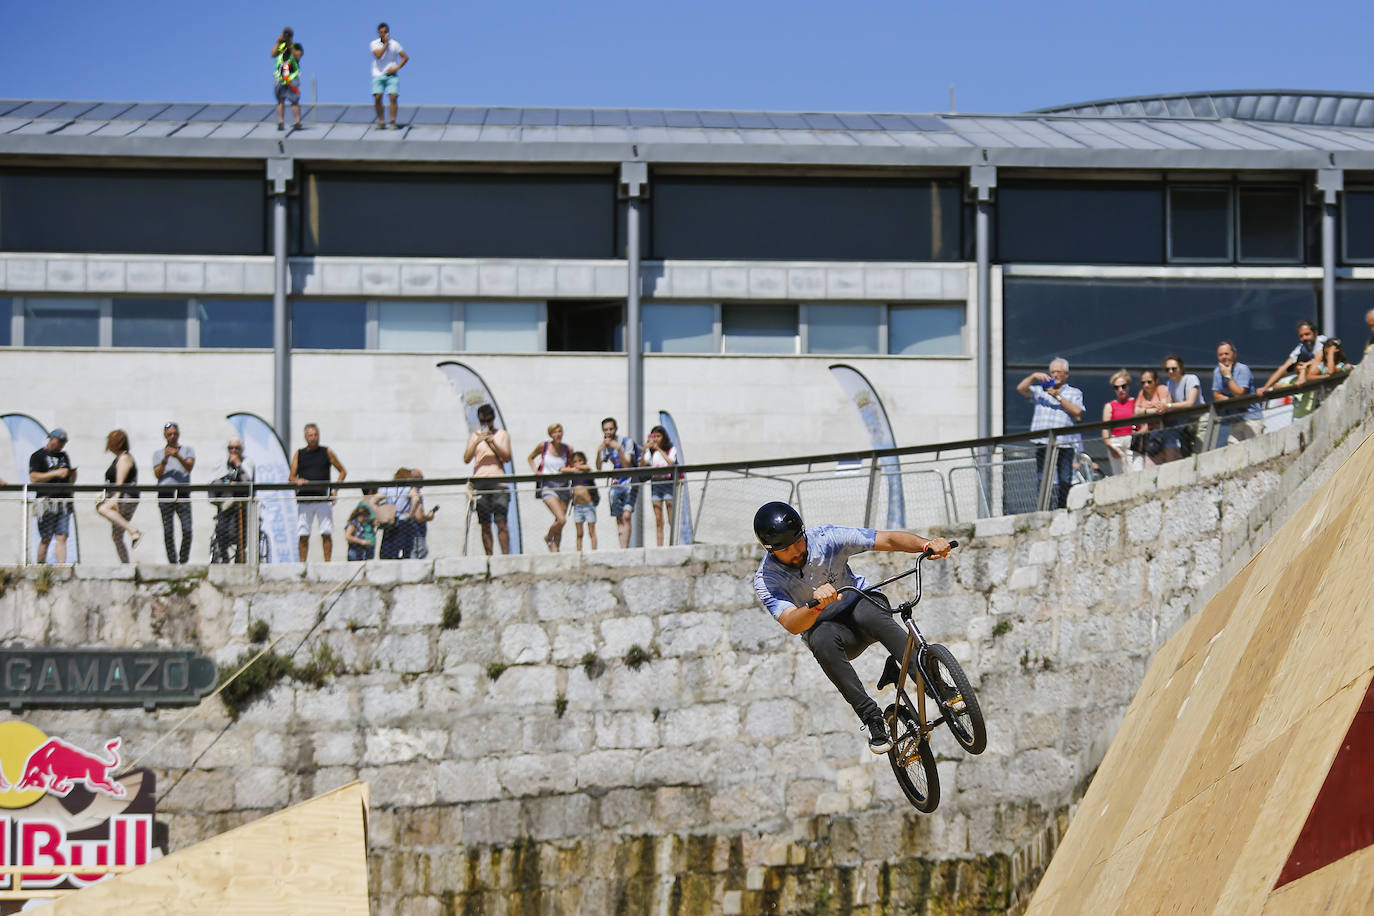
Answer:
(361, 532)
(585, 498)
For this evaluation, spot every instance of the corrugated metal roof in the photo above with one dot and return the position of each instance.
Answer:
(1279, 129)
(1293, 106)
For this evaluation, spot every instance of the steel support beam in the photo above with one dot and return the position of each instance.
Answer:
(1330, 183)
(982, 182)
(634, 185)
(279, 172)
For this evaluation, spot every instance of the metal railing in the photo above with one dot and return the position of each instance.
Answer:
(911, 487)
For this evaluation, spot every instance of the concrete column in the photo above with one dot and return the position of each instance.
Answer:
(634, 185)
(1330, 182)
(279, 172)
(982, 181)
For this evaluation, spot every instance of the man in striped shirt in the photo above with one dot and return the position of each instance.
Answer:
(1057, 403)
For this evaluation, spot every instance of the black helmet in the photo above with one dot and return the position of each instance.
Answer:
(777, 526)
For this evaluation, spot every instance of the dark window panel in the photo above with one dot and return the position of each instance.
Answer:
(538, 216)
(317, 325)
(6, 310)
(235, 323)
(1085, 223)
(806, 219)
(759, 328)
(1270, 222)
(130, 211)
(149, 323)
(586, 327)
(1359, 225)
(1354, 300)
(61, 322)
(1134, 323)
(1200, 224)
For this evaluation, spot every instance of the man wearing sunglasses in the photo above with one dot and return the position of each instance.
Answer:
(809, 564)
(1057, 403)
(231, 523)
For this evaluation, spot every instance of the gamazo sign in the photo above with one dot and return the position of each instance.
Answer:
(65, 805)
(68, 678)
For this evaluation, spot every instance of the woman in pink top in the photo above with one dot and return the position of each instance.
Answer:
(1118, 438)
(1153, 399)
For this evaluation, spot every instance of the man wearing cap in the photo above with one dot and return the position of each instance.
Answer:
(172, 466)
(50, 464)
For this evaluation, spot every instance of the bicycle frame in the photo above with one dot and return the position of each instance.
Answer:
(915, 640)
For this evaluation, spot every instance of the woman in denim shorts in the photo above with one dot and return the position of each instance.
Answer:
(659, 452)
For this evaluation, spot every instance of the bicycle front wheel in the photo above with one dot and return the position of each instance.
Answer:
(912, 761)
(958, 702)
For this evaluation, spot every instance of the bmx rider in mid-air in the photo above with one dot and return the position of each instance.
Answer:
(810, 564)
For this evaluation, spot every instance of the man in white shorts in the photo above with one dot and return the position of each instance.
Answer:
(314, 497)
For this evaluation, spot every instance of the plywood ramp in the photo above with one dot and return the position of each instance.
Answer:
(1201, 797)
(309, 859)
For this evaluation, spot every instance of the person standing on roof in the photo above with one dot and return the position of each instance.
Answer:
(286, 76)
(388, 57)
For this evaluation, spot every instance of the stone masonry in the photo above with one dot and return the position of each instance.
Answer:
(628, 732)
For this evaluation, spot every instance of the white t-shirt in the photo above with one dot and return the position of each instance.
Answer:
(1178, 391)
(658, 460)
(391, 57)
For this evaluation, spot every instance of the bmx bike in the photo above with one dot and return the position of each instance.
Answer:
(936, 675)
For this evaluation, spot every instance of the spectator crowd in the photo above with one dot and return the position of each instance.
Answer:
(386, 58)
(393, 522)
(1146, 436)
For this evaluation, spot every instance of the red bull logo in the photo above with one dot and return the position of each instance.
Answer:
(56, 765)
(64, 805)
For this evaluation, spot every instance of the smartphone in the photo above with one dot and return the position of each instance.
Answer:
(433, 509)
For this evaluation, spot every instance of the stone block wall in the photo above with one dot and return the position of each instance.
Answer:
(627, 732)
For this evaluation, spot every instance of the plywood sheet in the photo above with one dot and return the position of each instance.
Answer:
(308, 859)
(1223, 751)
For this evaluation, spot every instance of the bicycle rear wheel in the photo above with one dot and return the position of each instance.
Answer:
(958, 702)
(912, 762)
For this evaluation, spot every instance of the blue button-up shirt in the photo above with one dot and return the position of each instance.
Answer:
(1049, 413)
(828, 549)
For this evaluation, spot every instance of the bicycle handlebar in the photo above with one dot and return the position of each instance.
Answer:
(925, 554)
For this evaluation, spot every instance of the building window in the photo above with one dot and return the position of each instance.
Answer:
(317, 325)
(670, 327)
(586, 327)
(759, 328)
(6, 321)
(925, 330)
(503, 327)
(795, 219)
(134, 211)
(459, 215)
(1080, 223)
(1357, 212)
(61, 322)
(1269, 224)
(843, 328)
(149, 323)
(235, 323)
(1354, 300)
(422, 326)
(1200, 224)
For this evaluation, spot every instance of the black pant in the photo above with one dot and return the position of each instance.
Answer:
(1063, 473)
(180, 506)
(838, 641)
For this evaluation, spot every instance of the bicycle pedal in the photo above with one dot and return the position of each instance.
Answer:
(956, 703)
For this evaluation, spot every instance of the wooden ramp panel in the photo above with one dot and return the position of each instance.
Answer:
(309, 859)
(1215, 769)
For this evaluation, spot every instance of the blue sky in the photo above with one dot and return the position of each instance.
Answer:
(747, 54)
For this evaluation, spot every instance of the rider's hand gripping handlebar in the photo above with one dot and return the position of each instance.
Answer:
(925, 554)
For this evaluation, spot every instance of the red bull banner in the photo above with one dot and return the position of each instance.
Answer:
(63, 804)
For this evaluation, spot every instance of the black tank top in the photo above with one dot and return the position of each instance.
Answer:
(313, 466)
(111, 475)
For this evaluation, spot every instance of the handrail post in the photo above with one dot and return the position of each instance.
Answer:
(677, 507)
(872, 489)
(1047, 473)
(1213, 427)
(24, 524)
(254, 531)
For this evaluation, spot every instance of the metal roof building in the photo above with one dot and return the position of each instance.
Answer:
(715, 251)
